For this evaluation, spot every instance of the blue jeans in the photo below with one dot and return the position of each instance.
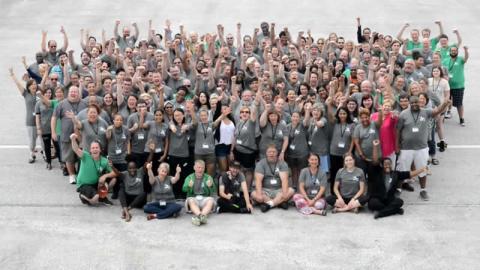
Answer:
(162, 212)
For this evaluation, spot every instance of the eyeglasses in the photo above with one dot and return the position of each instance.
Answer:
(54, 79)
(204, 73)
(168, 107)
(53, 46)
(244, 111)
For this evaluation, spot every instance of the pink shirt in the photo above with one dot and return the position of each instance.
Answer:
(387, 133)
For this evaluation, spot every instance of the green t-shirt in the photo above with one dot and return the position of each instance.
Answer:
(412, 45)
(433, 43)
(58, 125)
(456, 74)
(445, 52)
(91, 170)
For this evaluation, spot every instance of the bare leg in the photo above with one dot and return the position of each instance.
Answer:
(207, 208)
(423, 181)
(194, 207)
(248, 177)
(223, 164)
(71, 168)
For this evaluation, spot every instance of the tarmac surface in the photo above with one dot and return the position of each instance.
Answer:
(44, 225)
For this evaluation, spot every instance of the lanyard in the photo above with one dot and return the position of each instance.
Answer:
(93, 129)
(204, 131)
(115, 136)
(450, 66)
(342, 132)
(97, 168)
(311, 175)
(274, 167)
(241, 127)
(274, 131)
(157, 134)
(433, 82)
(415, 119)
(75, 108)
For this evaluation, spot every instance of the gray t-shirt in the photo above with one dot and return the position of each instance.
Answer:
(245, 137)
(163, 190)
(349, 181)
(117, 145)
(272, 134)
(94, 131)
(312, 182)
(271, 173)
(30, 102)
(178, 143)
(414, 130)
(366, 136)
(204, 140)
(341, 138)
(157, 133)
(133, 184)
(45, 113)
(318, 138)
(67, 124)
(297, 141)
(139, 137)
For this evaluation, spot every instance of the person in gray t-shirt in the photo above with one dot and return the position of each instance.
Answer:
(297, 150)
(271, 181)
(349, 188)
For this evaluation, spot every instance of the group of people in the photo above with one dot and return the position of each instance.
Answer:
(228, 121)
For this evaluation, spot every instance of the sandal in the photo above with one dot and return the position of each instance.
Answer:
(435, 161)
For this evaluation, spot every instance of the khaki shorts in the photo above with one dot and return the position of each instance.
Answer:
(201, 201)
(67, 152)
(209, 158)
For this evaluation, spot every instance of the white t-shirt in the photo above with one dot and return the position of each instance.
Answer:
(438, 87)
(226, 133)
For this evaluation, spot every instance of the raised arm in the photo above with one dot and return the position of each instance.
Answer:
(75, 147)
(83, 45)
(19, 85)
(465, 58)
(459, 38)
(115, 29)
(137, 32)
(44, 42)
(65, 39)
(438, 110)
(400, 34)
(239, 35)
(440, 29)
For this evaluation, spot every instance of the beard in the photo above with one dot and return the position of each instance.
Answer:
(453, 55)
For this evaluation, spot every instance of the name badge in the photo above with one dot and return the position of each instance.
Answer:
(292, 146)
(162, 203)
(239, 141)
(414, 129)
(450, 76)
(166, 187)
(118, 151)
(341, 145)
(199, 197)
(309, 142)
(158, 150)
(372, 131)
(140, 136)
(205, 146)
(273, 181)
(314, 192)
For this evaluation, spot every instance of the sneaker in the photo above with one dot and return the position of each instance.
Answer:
(72, 180)
(83, 200)
(462, 122)
(49, 166)
(400, 211)
(376, 215)
(424, 195)
(65, 171)
(105, 201)
(151, 216)
(196, 221)
(448, 115)
(441, 146)
(264, 207)
(408, 187)
(31, 159)
(203, 219)
(283, 205)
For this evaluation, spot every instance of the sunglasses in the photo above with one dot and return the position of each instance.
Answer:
(169, 107)
(54, 79)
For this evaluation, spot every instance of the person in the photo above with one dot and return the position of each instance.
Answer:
(158, 134)
(65, 112)
(273, 131)
(94, 171)
(233, 191)
(29, 94)
(271, 181)
(297, 143)
(312, 186)
(455, 65)
(93, 128)
(224, 138)
(200, 190)
(349, 188)
(439, 86)
(131, 194)
(136, 126)
(43, 117)
(412, 137)
(318, 138)
(385, 180)
(387, 130)
(163, 204)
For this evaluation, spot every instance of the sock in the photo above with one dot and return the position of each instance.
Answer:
(270, 203)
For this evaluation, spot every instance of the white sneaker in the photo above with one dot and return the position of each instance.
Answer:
(72, 180)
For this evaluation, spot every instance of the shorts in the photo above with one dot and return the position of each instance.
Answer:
(457, 96)
(297, 162)
(333, 198)
(208, 158)
(200, 201)
(88, 190)
(246, 160)
(67, 152)
(418, 157)
(222, 150)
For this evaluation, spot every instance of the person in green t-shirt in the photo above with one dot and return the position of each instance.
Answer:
(92, 176)
(433, 41)
(455, 66)
(201, 191)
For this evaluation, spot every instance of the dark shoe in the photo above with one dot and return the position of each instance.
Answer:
(441, 146)
(105, 201)
(408, 187)
(83, 200)
(114, 195)
(400, 211)
(435, 161)
(462, 122)
(283, 205)
(49, 166)
(65, 171)
(264, 207)
(424, 195)
(31, 159)
(376, 215)
(245, 210)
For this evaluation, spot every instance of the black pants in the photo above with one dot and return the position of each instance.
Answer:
(58, 151)
(121, 167)
(156, 163)
(368, 169)
(47, 147)
(333, 198)
(186, 170)
(336, 163)
(385, 208)
(132, 201)
(234, 205)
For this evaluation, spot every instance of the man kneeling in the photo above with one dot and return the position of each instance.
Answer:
(200, 191)
(271, 182)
